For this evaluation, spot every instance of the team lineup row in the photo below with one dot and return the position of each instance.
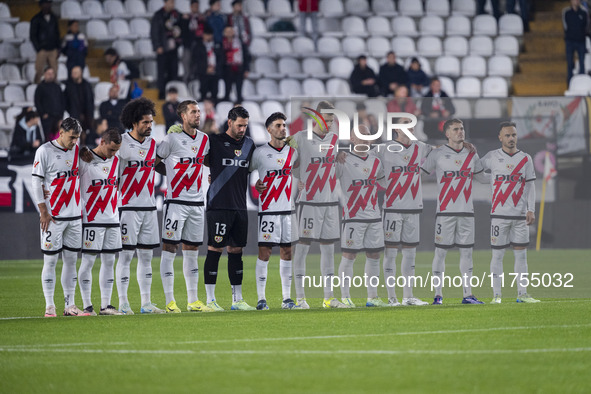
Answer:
(102, 202)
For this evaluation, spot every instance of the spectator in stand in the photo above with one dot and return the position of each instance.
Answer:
(50, 103)
(192, 25)
(111, 109)
(436, 107)
(309, 9)
(209, 111)
(416, 78)
(575, 22)
(209, 59)
(216, 20)
(495, 7)
(236, 63)
(392, 75)
(401, 102)
(45, 37)
(79, 99)
(165, 33)
(523, 8)
(210, 127)
(75, 46)
(93, 137)
(169, 107)
(363, 79)
(119, 69)
(240, 23)
(27, 136)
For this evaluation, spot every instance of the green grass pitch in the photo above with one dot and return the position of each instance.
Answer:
(453, 348)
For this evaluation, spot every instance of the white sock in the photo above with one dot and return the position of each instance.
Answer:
(346, 275)
(390, 271)
(144, 274)
(191, 272)
(372, 270)
(407, 268)
(122, 273)
(439, 269)
(327, 268)
(299, 268)
(236, 293)
(167, 274)
(210, 292)
(48, 278)
(69, 277)
(466, 268)
(285, 274)
(520, 268)
(261, 277)
(496, 269)
(106, 278)
(85, 278)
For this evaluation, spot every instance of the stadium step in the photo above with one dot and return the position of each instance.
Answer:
(539, 84)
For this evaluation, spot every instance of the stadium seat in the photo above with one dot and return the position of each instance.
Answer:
(183, 6)
(303, 46)
(455, 46)
(264, 88)
(375, 106)
(120, 28)
(404, 46)
(340, 67)
(97, 30)
(495, 87)
(437, 7)
(447, 85)
(338, 87)
(16, 95)
(510, 24)
(313, 87)
(429, 46)
(331, 8)
(354, 46)
(506, 45)
(11, 114)
(140, 27)
(136, 8)
(258, 133)
(181, 87)
(474, 66)
(5, 15)
(101, 92)
(379, 26)
(314, 68)
(347, 106)
(410, 7)
(378, 46)
(290, 87)
(463, 108)
(330, 27)
(329, 46)
(487, 108)
(259, 47)
(28, 72)
(458, 25)
(143, 48)
(468, 87)
(290, 68)
(280, 46)
(7, 33)
(384, 8)
(448, 66)
(11, 73)
(500, 65)
(280, 8)
(30, 92)
(253, 109)
(8, 51)
(579, 85)
(148, 70)
(27, 51)
(481, 46)
(255, 8)
(463, 7)
(404, 26)
(21, 30)
(485, 25)
(94, 8)
(266, 67)
(373, 64)
(62, 72)
(70, 9)
(226, 6)
(154, 5)
(258, 27)
(432, 26)
(271, 106)
(357, 7)
(115, 9)
(355, 26)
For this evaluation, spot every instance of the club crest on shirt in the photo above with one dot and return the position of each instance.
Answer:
(266, 237)
(69, 163)
(510, 167)
(218, 238)
(406, 158)
(170, 234)
(125, 238)
(106, 170)
(237, 152)
(458, 162)
(194, 149)
(47, 245)
(349, 243)
(280, 161)
(142, 152)
(365, 170)
(87, 244)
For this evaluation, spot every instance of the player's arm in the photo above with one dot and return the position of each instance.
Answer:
(430, 161)
(254, 164)
(530, 192)
(85, 154)
(162, 153)
(479, 173)
(39, 199)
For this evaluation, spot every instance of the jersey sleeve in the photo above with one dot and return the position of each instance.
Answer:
(39, 164)
(485, 161)
(430, 161)
(530, 172)
(339, 169)
(164, 149)
(254, 162)
(478, 168)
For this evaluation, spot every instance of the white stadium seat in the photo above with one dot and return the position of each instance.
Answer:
(378, 46)
(379, 26)
(355, 26)
(463, 108)
(280, 8)
(485, 25)
(429, 46)
(385, 8)
(291, 68)
(329, 45)
(71, 9)
(94, 8)
(510, 24)
(280, 46)
(333, 8)
(455, 46)
(448, 66)
(495, 87)
(410, 7)
(290, 87)
(501, 66)
(354, 46)
(432, 26)
(481, 45)
(579, 85)
(338, 87)
(357, 7)
(474, 66)
(259, 47)
(464, 7)
(340, 67)
(447, 85)
(437, 7)
(140, 27)
(458, 25)
(314, 67)
(404, 46)
(313, 87)
(97, 30)
(487, 108)
(468, 87)
(404, 26)
(506, 45)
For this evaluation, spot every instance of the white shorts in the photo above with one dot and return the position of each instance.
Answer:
(274, 230)
(401, 228)
(453, 231)
(362, 237)
(505, 232)
(319, 223)
(183, 223)
(139, 229)
(101, 238)
(62, 234)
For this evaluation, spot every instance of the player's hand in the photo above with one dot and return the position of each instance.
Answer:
(291, 142)
(530, 218)
(85, 154)
(341, 156)
(301, 186)
(471, 148)
(260, 186)
(175, 128)
(45, 219)
(45, 192)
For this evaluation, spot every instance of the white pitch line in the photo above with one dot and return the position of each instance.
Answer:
(299, 352)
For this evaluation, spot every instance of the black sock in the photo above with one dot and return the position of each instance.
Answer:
(235, 268)
(210, 268)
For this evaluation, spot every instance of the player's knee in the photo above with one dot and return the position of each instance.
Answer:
(234, 249)
(285, 252)
(264, 253)
(171, 248)
(374, 255)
